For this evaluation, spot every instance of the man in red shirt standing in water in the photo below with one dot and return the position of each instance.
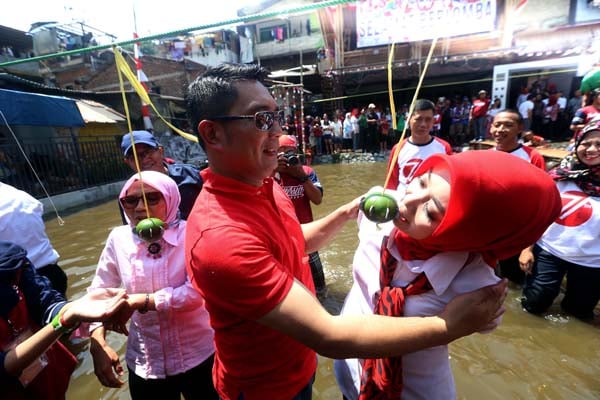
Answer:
(479, 115)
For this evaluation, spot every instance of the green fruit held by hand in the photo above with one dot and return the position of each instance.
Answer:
(379, 207)
(150, 229)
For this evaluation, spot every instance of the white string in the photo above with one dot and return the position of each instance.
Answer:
(61, 222)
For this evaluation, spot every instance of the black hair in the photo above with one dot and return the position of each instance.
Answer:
(424, 104)
(515, 112)
(214, 92)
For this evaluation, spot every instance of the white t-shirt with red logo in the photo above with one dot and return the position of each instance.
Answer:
(410, 157)
(575, 235)
(530, 155)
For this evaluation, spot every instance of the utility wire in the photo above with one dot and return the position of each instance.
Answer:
(240, 20)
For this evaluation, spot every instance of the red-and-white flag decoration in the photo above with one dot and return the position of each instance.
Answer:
(143, 79)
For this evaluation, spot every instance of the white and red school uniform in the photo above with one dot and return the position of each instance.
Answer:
(427, 374)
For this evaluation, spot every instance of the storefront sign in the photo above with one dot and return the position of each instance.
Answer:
(380, 22)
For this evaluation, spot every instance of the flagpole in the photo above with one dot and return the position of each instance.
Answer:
(142, 78)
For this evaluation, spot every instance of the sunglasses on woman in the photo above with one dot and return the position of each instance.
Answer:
(263, 120)
(131, 202)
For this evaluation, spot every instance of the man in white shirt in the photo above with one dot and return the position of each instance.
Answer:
(21, 223)
(525, 109)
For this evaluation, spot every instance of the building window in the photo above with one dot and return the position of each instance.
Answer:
(277, 33)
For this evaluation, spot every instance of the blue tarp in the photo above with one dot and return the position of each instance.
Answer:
(22, 108)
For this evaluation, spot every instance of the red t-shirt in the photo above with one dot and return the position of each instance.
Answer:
(244, 247)
(480, 108)
(294, 189)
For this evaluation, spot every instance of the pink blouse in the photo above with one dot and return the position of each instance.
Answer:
(177, 336)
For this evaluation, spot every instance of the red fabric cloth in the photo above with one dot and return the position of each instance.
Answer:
(499, 204)
(244, 248)
(52, 382)
(382, 377)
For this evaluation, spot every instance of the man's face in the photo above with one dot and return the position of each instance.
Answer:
(249, 154)
(421, 122)
(150, 158)
(505, 130)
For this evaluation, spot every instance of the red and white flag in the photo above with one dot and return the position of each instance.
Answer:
(143, 79)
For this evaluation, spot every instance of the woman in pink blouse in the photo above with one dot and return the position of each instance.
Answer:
(170, 345)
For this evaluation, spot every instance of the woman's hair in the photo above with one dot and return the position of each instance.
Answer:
(162, 183)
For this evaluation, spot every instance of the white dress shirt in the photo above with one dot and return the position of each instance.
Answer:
(21, 223)
(427, 373)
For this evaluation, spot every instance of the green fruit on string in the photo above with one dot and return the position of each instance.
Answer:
(150, 229)
(379, 207)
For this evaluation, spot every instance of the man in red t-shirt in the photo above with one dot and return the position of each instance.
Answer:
(479, 115)
(301, 184)
(246, 254)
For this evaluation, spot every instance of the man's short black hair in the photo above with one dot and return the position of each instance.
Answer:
(213, 92)
(515, 112)
(424, 104)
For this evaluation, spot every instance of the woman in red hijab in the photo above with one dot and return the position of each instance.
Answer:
(459, 215)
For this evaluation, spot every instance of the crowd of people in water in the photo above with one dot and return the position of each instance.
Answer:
(548, 116)
(217, 306)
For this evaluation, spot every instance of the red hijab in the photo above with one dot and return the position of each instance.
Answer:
(499, 204)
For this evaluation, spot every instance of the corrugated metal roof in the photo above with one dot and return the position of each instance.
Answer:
(92, 111)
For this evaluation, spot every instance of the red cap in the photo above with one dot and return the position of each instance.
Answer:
(287, 141)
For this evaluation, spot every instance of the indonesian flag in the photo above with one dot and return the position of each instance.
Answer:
(143, 79)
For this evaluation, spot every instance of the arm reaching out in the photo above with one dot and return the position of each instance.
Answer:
(301, 316)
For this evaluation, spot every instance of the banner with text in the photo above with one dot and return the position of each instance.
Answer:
(379, 22)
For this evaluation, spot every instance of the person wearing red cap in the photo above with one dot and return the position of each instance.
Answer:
(478, 115)
(246, 253)
(459, 214)
(301, 184)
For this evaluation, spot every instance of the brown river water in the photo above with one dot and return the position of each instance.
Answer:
(527, 357)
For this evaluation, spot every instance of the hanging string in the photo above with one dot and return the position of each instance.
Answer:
(412, 104)
(61, 222)
(135, 156)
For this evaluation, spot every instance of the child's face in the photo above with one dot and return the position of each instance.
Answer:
(424, 204)
(588, 150)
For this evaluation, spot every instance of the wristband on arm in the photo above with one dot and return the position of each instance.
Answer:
(59, 324)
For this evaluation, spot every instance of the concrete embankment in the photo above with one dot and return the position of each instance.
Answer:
(80, 198)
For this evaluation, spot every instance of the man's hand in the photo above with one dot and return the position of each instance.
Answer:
(475, 311)
(526, 259)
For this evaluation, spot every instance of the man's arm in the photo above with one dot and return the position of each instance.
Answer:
(302, 317)
(314, 194)
(318, 233)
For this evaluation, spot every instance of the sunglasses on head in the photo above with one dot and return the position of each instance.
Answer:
(263, 120)
(131, 202)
